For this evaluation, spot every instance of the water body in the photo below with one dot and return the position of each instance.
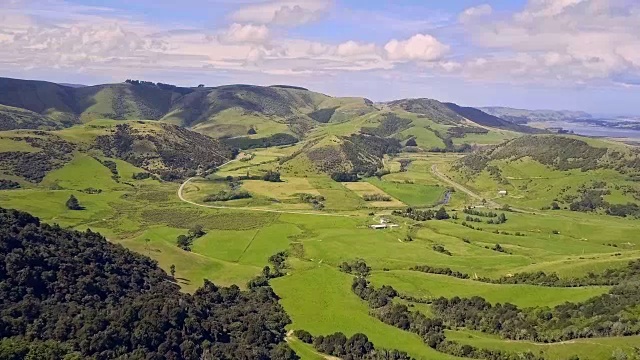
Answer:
(593, 130)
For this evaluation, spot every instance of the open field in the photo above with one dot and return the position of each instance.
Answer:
(365, 188)
(432, 286)
(411, 194)
(589, 349)
(147, 216)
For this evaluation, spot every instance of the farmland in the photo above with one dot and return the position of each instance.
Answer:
(269, 200)
(146, 216)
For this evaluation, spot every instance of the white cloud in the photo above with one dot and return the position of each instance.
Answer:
(352, 48)
(247, 33)
(570, 41)
(283, 12)
(475, 12)
(420, 47)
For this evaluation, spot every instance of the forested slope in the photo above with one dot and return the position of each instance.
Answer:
(69, 293)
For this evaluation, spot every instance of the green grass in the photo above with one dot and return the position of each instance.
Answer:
(587, 349)
(433, 286)
(320, 301)
(304, 351)
(411, 194)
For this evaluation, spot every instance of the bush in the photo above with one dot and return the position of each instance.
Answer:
(223, 195)
(8, 184)
(304, 336)
(376, 197)
(345, 177)
(73, 204)
(272, 176)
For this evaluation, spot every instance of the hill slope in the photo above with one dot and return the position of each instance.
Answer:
(579, 174)
(167, 150)
(221, 111)
(113, 303)
(453, 114)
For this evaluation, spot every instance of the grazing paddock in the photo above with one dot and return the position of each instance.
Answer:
(280, 190)
(365, 188)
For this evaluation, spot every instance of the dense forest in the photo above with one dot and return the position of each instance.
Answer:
(69, 294)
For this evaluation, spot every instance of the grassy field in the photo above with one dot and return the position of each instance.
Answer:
(433, 286)
(588, 349)
(146, 216)
(417, 195)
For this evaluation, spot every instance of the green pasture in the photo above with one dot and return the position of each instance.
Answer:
(433, 286)
(587, 349)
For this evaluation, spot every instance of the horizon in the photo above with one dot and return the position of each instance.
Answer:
(576, 55)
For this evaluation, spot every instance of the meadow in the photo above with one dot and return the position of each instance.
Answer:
(147, 216)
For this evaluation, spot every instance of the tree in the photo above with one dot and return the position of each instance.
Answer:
(271, 176)
(441, 214)
(73, 203)
(201, 85)
(184, 242)
(197, 231)
(172, 269)
(411, 142)
(502, 218)
(555, 206)
(252, 131)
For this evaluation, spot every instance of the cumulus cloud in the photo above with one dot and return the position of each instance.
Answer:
(420, 47)
(352, 48)
(283, 12)
(247, 33)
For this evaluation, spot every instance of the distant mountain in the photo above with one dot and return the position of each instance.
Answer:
(72, 85)
(453, 114)
(521, 116)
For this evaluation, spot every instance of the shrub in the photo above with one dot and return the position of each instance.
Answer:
(223, 195)
(73, 204)
(376, 197)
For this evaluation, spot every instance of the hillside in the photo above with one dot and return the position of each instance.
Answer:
(164, 149)
(538, 170)
(224, 111)
(453, 114)
(102, 294)
(522, 116)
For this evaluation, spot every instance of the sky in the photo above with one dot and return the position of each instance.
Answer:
(534, 54)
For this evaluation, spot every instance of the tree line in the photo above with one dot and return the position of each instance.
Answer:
(357, 347)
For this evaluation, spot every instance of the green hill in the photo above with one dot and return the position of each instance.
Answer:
(164, 149)
(453, 114)
(15, 118)
(570, 172)
(226, 111)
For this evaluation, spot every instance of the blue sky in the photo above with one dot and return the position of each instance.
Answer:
(555, 54)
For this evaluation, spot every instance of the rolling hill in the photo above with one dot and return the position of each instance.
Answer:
(570, 172)
(166, 150)
(225, 111)
(220, 111)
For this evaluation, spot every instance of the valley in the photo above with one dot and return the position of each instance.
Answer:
(482, 209)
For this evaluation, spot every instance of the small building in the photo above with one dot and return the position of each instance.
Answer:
(502, 192)
(383, 226)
